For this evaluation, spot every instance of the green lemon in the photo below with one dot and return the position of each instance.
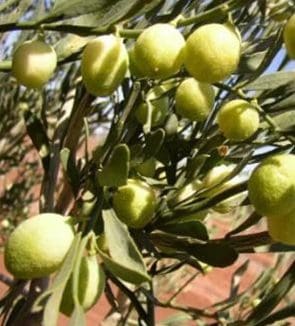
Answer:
(212, 52)
(91, 285)
(38, 246)
(289, 37)
(104, 65)
(33, 63)
(135, 203)
(147, 168)
(194, 100)
(282, 228)
(271, 186)
(158, 51)
(238, 120)
(133, 68)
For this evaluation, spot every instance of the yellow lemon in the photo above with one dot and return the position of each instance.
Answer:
(289, 37)
(238, 120)
(33, 63)
(135, 203)
(38, 246)
(91, 285)
(212, 52)
(104, 65)
(194, 100)
(271, 186)
(158, 51)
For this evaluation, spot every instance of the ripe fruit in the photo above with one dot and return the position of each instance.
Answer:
(282, 228)
(159, 109)
(104, 65)
(289, 37)
(212, 52)
(213, 178)
(158, 51)
(135, 203)
(38, 246)
(194, 100)
(91, 285)
(272, 186)
(238, 120)
(33, 63)
(147, 168)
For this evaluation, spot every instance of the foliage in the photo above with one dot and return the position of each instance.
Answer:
(58, 125)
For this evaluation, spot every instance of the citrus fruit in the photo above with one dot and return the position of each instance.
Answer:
(215, 176)
(104, 65)
(135, 203)
(194, 100)
(271, 186)
(289, 36)
(38, 246)
(238, 120)
(212, 52)
(282, 228)
(158, 51)
(147, 168)
(91, 284)
(33, 63)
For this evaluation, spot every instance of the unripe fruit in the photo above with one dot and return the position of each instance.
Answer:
(213, 178)
(147, 168)
(194, 100)
(238, 120)
(133, 68)
(38, 246)
(135, 203)
(272, 186)
(289, 37)
(158, 51)
(91, 285)
(159, 109)
(104, 65)
(282, 228)
(212, 52)
(33, 63)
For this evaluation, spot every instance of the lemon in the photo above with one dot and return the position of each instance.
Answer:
(271, 186)
(238, 120)
(289, 37)
(38, 246)
(147, 168)
(212, 52)
(104, 65)
(194, 100)
(282, 228)
(91, 285)
(133, 68)
(158, 51)
(213, 178)
(135, 203)
(33, 63)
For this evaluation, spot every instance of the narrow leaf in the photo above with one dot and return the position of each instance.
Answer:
(154, 141)
(272, 80)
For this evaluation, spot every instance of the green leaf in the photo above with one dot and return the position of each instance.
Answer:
(272, 80)
(115, 172)
(154, 141)
(108, 11)
(70, 169)
(78, 317)
(286, 120)
(195, 165)
(272, 299)
(214, 254)
(57, 287)
(190, 228)
(124, 259)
